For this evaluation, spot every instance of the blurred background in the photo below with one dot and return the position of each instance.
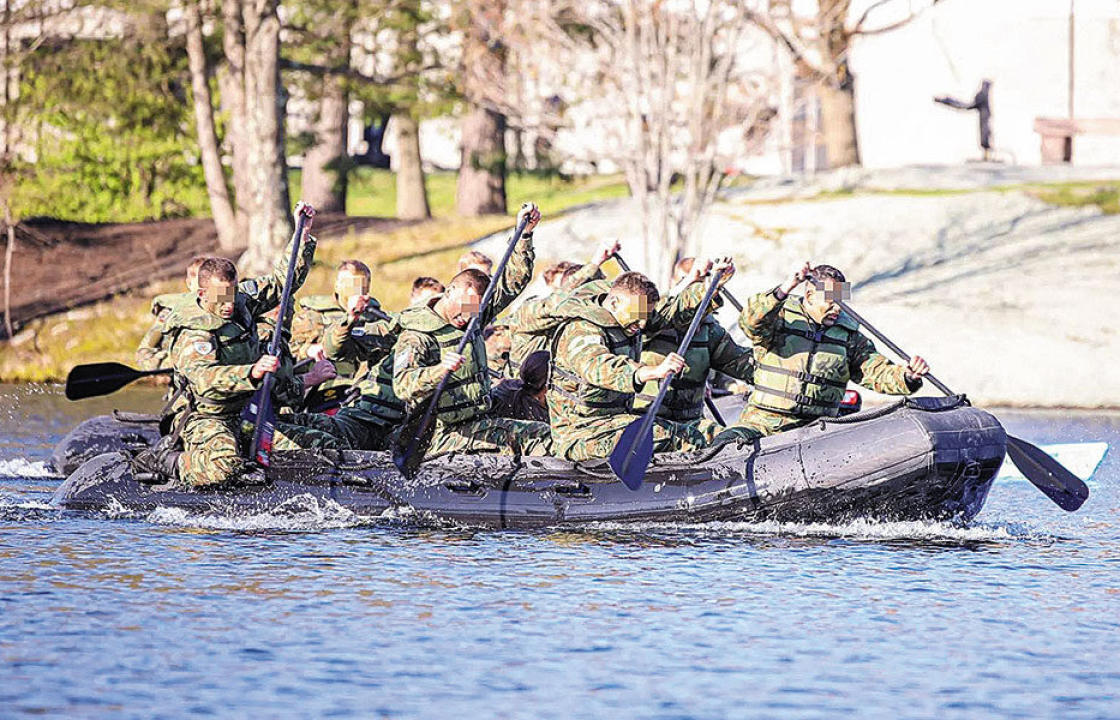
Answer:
(940, 151)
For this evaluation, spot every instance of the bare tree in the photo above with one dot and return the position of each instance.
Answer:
(820, 43)
(676, 90)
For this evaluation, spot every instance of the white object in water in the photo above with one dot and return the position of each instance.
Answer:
(1082, 459)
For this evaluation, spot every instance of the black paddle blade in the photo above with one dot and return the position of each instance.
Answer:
(408, 459)
(632, 454)
(96, 379)
(1067, 490)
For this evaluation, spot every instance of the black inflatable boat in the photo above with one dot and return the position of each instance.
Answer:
(919, 459)
(119, 432)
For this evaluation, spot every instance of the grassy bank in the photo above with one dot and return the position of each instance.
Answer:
(46, 349)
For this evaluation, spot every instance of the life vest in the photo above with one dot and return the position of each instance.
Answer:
(569, 394)
(467, 392)
(805, 371)
(377, 397)
(685, 400)
(328, 312)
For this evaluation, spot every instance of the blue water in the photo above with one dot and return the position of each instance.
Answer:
(313, 612)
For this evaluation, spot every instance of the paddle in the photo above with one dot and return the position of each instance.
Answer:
(412, 442)
(96, 379)
(1067, 490)
(707, 399)
(260, 449)
(634, 449)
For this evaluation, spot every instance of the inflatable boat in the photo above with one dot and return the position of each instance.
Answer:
(918, 459)
(119, 432)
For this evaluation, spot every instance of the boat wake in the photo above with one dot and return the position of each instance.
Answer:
(862, 530)
(24, 468)
(302, 513)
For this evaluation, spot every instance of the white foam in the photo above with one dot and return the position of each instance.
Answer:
(1082, 459)
(855, 530)
(303, 512)
(24, 468)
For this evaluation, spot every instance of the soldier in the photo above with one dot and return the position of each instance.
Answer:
(425, 352)
(496, 337)
(808, 351)
(218, 354)
(532, 324)
(370, 415)
(423, 289)
(318, 312)
(478, 261)
(712, 348)
(152, 352)
(596, 369)
(554, 274)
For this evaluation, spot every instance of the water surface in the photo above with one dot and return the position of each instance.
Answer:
(312, 612)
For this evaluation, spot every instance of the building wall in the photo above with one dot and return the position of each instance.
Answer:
(1021, 45)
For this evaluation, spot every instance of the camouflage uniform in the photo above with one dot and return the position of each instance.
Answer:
(369, 418)
(313, 320)
(594, 375)
(532, 324)
(152, 352)
(214, 357)
(463, 419)
(804, 367)
(712, 348)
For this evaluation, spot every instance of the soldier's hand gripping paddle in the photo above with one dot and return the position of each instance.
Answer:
(260, 449)
(97, 379)
(1067, 490)
(634, 449)
(412, 442)
(707, 398)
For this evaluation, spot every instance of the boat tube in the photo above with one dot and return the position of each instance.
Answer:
(918, 459)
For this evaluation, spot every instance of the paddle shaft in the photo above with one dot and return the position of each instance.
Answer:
(894, 348)
(265, 392)
(472, 326)
(730, 298)
(651, 411)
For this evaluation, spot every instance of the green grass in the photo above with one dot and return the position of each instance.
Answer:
(47, 348)
(1104, 195)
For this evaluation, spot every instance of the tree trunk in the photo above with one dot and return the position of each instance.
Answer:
(8, 251)
(220, 207)
(325, 163)
(838, 124)
(412, 198)
(231, 83)
(270, 222)
(482, 171)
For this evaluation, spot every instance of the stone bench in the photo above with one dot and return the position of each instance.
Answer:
(1058, 133)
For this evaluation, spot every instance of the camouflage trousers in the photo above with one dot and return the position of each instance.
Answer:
(488, 434)
(358, 428)
(214, 447)
(596, 438)
(755, 423)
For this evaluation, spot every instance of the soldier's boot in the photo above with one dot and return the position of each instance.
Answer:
(158, 464)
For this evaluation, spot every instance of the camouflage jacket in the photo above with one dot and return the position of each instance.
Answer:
(368, 341)
(804, 367)
(214, 356)
(532, 324)
(425, 336)
(595, 363)
(152, 351)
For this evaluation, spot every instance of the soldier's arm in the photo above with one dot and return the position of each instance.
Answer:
(587, 356)
(195, 358)
(678, 310)
(515, 278)
(584, 275)
(264, 292)
(375, 342)
(875, 371)
(729, 357)
(416, 368)
(151, 354)
(760, 317)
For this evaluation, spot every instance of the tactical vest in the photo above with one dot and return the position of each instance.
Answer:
(235, 341)
(329, 312)
(685, 400)
(573, 395)
(467, 393)
(805, 371)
